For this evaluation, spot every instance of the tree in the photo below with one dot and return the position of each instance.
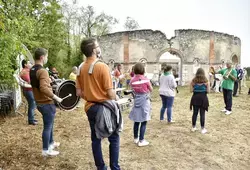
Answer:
(93, 24)
(15, 25)
(51, 31)
(83, 22)
(46, 23)
(32, 23)
(131, 24)
(70, 18)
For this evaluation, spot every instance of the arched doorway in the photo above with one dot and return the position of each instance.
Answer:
(196, 65)
(235, 59)
(174, 58)
(111, 64)
(143, 61)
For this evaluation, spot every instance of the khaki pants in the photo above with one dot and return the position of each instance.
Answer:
(239, 86)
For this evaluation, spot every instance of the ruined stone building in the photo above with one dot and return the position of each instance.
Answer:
(195, 48)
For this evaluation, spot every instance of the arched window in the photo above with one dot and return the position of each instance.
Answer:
(196, 65)
(196, 62)
(143, 61)
(111, 64)
(235, 59)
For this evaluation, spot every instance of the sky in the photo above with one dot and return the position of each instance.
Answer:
(227, 16)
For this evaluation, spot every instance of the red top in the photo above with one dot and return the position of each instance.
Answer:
(25, 75)
(117, 73)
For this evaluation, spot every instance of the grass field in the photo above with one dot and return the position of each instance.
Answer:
(172, 146)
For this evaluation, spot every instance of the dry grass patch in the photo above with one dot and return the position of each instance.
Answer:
(172, 146)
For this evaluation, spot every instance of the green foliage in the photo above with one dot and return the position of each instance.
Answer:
(47, 24)
(51, 32)
(94, 24)
(36, 23)
(10, 48)
(131, 24)
(82, 22)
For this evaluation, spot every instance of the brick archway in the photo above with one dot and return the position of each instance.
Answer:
(176, 52)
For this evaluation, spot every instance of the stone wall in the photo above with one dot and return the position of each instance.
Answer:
(204, 47)
(142, 44)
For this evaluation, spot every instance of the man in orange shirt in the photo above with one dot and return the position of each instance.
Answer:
(96, 88)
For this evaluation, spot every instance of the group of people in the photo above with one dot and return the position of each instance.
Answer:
(39, 94)
(199, 86)
(120, 78)
(140, 112)
(27, 89)
(94, 84)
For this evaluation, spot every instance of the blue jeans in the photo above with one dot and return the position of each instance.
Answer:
(31, 105)
(114, 145)
(119, 85)
(48, 111)
(167, 103)
(142, 130)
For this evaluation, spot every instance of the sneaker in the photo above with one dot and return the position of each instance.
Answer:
(143, 143)
(203, 131)
(193, 129)
(224, 110)
(33, 123)
(228, 112)
(54, 145)
(136, 140)
(171, 121)
(49, 153)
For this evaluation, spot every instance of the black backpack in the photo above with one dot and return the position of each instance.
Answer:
(33, 78)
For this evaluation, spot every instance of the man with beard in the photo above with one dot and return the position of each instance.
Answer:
(94, 84)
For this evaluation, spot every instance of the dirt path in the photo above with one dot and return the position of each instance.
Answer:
(225, 146)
